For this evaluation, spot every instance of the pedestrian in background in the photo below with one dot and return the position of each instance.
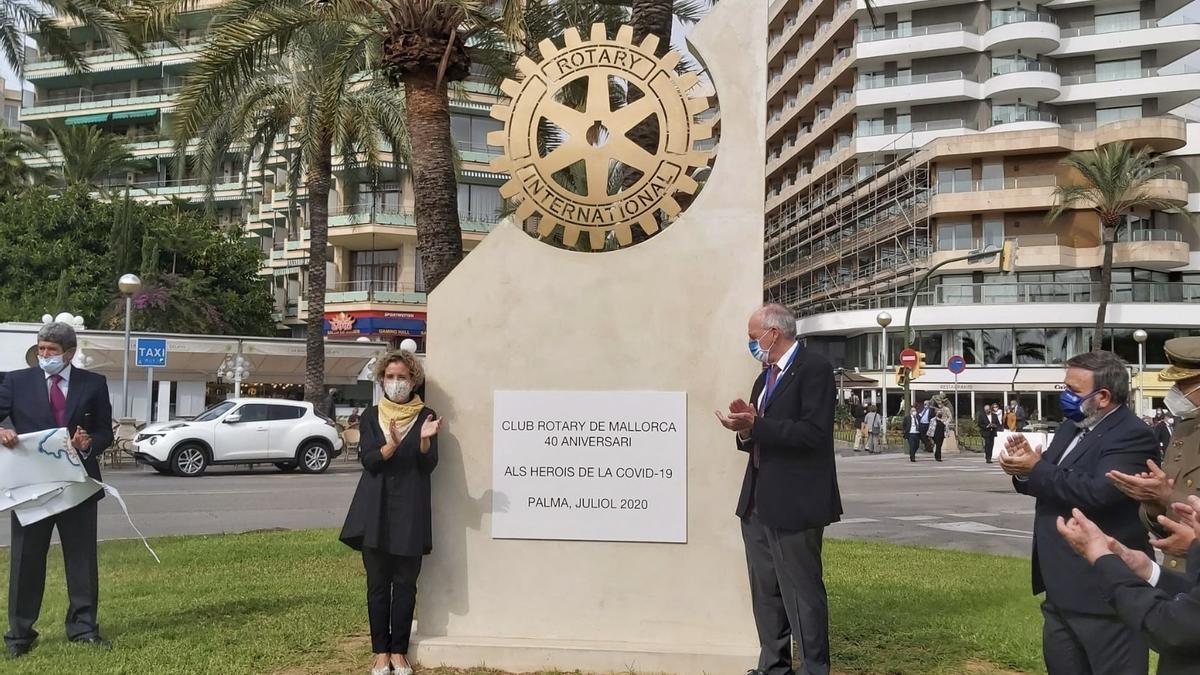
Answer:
(873, 427)
(912, 433)
(857, 415)
(988, 428)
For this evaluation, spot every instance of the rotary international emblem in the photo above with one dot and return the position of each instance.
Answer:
(564, 142)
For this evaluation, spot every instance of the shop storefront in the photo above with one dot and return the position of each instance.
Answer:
(189, 382)
(383, 326)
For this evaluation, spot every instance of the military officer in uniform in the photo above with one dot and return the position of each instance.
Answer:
(1157, 488)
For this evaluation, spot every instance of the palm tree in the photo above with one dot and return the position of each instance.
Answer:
(121, 25)
(299, 88)
(91, 157)
(15, 174)
(421, 46)
(1116, 182)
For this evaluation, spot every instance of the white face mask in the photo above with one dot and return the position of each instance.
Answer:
(1180, 405)
(397, 390)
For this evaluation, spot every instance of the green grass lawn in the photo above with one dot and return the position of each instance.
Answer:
(293, 601)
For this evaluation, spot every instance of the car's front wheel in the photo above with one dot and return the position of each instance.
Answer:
(314, 457)
(286, 467)
(189, 461)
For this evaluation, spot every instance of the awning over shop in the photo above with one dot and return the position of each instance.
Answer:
(974, 379)
(283, 360)
(198, 357)
(852, 380)
(86, 119)
(1039, 379)
(135, 114)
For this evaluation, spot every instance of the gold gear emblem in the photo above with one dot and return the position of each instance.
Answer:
(597, 137)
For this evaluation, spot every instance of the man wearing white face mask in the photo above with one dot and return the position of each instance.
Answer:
(1179, 477)
(51, 396)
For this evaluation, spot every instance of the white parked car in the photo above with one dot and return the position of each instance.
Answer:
(288, 434)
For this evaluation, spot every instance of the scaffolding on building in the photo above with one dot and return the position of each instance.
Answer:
(856, 233)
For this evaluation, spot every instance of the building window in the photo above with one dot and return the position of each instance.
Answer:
(993, 232)
(954, 237)
(11, 116)
(1123, 69)
(870, 127)
(993, 176)
(952, 179)
(1117, 21)
(1107, 115)
(965, 343)
(374, 270)
(419, 271)
(470, 132)
(1061, 344)
(998, 346)
(481, 203)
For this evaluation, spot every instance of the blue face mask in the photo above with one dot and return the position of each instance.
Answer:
(51, 365)
(1072, 404)
(757, 351)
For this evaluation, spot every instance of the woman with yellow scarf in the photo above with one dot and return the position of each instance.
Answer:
(390, 518)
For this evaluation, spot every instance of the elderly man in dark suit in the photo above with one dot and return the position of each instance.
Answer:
(988, 426)
(51, 396)
(789, 493)
(1081, 633)
(1163, 605)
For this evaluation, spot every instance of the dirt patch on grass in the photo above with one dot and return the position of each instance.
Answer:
(985, 668)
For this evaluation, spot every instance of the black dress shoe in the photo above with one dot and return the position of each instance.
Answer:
(16, 651)
(95, 642)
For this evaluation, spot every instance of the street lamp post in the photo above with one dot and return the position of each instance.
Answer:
(1139, 336)
(129, 284)
(884, 320)
(1005, 254)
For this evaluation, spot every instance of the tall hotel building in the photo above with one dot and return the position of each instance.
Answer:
(375, 284)
(902, 133)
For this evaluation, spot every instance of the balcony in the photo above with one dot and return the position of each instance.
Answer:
(365, 228)
(1007, 194)
(45, 66)
(112, 102)
(378, 292)
(1153, 249)
(1022, 119)
(926, 89)
(1171, 90)
(1031, 32)
(1172, 40)
(1024, 80)
(229, 188)
(922, 41)
(480, 153)
(910, 136)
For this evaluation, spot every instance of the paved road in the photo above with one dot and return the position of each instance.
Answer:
(960, 503)
(225, 500)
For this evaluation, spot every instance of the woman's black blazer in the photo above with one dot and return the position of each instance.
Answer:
(391, 509)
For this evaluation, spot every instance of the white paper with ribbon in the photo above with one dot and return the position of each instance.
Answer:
(44, 476)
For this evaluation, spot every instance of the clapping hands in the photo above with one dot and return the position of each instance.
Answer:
(1019, 458)
(1148, 487)
(740, 418)
(1182, 532)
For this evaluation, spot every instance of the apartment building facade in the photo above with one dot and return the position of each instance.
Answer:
(904, 133)
(375, 285)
